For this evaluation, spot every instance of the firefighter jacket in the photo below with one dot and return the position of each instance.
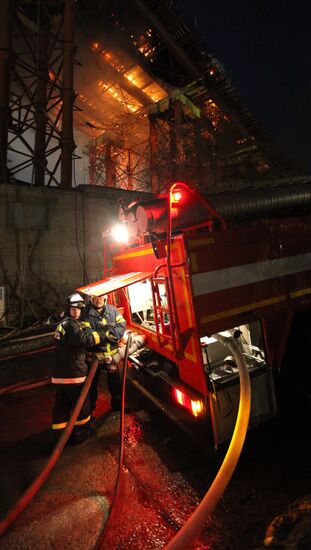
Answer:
(108, 320)
(71, 340)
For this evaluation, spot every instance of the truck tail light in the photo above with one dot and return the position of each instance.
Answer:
(195, 406)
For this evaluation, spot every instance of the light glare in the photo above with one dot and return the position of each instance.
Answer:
(120, 233)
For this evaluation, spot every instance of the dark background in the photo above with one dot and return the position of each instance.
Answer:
(264, 46)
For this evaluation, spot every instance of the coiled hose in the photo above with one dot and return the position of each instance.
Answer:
(194, 524)
(38, 482)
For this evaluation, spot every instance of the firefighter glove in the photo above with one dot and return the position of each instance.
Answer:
(104, 326)
(111, 338)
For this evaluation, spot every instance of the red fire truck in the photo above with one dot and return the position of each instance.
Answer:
(239, 265)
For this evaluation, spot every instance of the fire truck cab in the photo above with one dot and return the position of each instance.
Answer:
(181, 286)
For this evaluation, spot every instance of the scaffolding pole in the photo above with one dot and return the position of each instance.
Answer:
(40, 108)
(153, 143)
(68, 97)
(5, 37)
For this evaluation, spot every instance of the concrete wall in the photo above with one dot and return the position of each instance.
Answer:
(51, 243)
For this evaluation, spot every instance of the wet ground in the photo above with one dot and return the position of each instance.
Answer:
(165, 476)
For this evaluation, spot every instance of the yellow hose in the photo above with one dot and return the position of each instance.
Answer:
(194, 524)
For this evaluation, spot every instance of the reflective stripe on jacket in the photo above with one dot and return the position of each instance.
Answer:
(68, 380)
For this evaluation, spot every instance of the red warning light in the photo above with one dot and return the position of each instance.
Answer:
(178, 193)
(176, 196)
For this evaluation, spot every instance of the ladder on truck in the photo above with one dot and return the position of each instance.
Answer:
(165, 311)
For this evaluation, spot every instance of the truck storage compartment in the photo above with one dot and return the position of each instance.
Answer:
(223, 379)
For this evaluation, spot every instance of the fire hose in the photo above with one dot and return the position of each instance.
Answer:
(192, 527)
(38, 482)
(121, 448)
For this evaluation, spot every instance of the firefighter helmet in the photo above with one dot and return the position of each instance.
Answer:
(75, 300)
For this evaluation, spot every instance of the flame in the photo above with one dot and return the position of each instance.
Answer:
(52, 75)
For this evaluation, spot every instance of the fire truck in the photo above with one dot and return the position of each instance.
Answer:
(194, 267)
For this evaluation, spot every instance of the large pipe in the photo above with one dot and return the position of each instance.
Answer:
(261, 201)
(150, 216)
(23, 346)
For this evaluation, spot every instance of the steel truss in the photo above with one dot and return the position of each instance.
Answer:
(40, 93)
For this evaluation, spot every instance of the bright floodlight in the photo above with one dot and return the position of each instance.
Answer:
(120, 233)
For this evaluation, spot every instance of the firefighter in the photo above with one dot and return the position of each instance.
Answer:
(99, 315)
(70, 370)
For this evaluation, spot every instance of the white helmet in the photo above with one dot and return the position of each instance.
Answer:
(75, 300)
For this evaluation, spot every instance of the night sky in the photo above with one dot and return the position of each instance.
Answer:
(265, 48)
